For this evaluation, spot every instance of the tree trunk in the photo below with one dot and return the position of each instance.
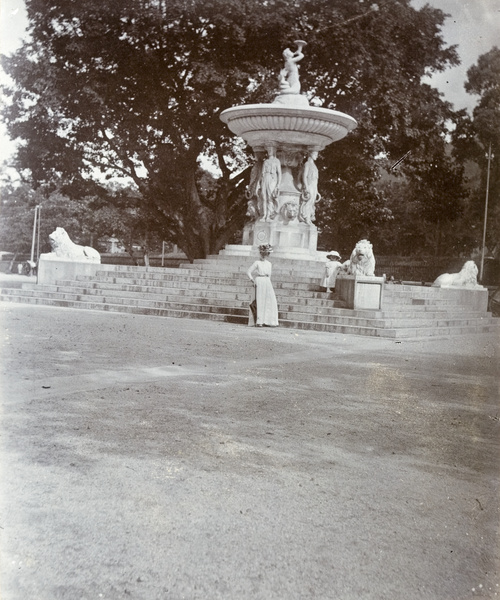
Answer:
(130, 252)
(439, 235)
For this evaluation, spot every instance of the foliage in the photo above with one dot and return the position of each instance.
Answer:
(473, 139)
(56, 210)
(90, 220)
(136, 88)
(17, 218)
(127, 219)
(421, 207)
(483, 80)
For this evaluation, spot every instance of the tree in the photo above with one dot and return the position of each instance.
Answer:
(439, 195)
(91, 220)
(483, 80)
(17, 218)
(473, 139)
(126, 218)
(136, 88)
(56, 210)
(428, 211)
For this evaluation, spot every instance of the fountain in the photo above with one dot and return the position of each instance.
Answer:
(286, 137)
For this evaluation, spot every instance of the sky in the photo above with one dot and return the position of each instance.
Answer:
(474, 25)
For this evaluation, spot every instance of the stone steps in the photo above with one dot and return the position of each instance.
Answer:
(175, 289)
(242, 289)
(312, 309)
(203, 276)
(234, 295)
(130, 308)
(199, 283)
(205, 290)
(173, 295)
(375, 331)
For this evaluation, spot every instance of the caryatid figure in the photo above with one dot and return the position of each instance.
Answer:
(269, 185)
(310, 194)
(253, 188)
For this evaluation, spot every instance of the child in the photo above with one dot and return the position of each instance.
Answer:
(332, 267)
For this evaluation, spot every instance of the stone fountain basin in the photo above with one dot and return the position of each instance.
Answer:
(312, 127)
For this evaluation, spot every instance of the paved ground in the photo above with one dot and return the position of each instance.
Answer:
(168, 459)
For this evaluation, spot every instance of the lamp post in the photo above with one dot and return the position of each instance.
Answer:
(485, 214)
(35, 221)
(38, 233)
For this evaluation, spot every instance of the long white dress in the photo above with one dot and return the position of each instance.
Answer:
(267, 307)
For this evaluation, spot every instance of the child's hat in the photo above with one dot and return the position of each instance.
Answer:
(333, 254)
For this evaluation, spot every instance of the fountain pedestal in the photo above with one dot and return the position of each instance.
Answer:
(290, 240)
(286, 137)
(289, 235)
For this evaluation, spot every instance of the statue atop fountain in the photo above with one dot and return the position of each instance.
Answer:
(286, 137)
(289, 75)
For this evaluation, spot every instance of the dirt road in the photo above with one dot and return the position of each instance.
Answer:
(156, 459)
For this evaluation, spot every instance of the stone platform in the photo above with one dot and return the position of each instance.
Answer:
(217, 288)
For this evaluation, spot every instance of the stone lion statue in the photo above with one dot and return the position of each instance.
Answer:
(466, 278)
(362, 261)
(64, 249)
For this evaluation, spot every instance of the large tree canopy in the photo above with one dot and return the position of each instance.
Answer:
(136, 88)
(474, 139)
(483, 80)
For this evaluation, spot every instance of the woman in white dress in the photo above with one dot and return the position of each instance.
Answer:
(266, 311)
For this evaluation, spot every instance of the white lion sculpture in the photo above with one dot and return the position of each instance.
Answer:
(64, 249)
(466, 278)
(362, 261)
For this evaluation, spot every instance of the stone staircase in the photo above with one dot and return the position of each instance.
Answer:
(217, 288)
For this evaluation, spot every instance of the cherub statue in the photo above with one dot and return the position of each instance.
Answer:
(289, 75)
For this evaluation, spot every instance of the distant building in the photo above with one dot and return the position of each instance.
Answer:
(114, 246)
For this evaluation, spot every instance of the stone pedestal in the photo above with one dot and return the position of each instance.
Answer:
(289, 236)
(360, 291)
(475, 298)
(51, 270)
(286, 229)
(282, 234)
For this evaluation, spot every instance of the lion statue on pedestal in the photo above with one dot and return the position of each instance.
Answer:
(362, 261)
(64, 249)
(467, 277)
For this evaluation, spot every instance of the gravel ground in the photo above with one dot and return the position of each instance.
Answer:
(165, 459)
